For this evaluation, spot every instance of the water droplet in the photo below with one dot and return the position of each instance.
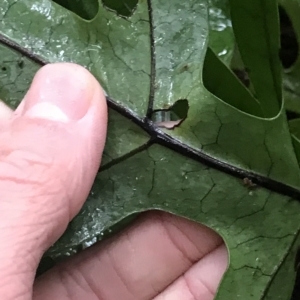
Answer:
(223, 52)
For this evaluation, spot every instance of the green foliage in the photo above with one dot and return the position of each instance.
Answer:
(84, 9)
(147, 56)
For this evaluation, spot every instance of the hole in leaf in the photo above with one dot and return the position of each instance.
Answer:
(124, 8)
(171, 117)
(84, 9)
(4, 69)
(289, 46)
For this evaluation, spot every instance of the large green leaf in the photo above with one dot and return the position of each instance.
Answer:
(257, 34)
(221, 37)
(146, 63)
(291, 75)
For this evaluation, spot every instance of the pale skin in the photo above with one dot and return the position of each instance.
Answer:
(59, 129)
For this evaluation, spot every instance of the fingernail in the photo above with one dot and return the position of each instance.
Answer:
(60, 92)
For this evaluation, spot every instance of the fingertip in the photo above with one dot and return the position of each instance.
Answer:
(62, 92)
(52, 148)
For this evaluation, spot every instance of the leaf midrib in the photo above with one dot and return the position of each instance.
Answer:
(159, 137)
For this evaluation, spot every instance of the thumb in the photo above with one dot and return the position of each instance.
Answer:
(50, 152)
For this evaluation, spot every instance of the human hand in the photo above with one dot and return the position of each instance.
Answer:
(49, 156)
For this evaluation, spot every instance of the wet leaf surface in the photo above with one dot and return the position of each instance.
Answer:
(146, 63)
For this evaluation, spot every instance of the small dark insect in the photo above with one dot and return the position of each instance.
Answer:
(249, 184)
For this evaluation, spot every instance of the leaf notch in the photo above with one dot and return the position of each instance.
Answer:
(171, 117)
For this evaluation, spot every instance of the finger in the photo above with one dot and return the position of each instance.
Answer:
(138, 264)
(5, 111)
(50, 153)
(201, 281)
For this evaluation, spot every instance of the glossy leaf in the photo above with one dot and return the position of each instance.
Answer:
(148, 62)
(84, 9)
(221, 37)
(257, 34)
